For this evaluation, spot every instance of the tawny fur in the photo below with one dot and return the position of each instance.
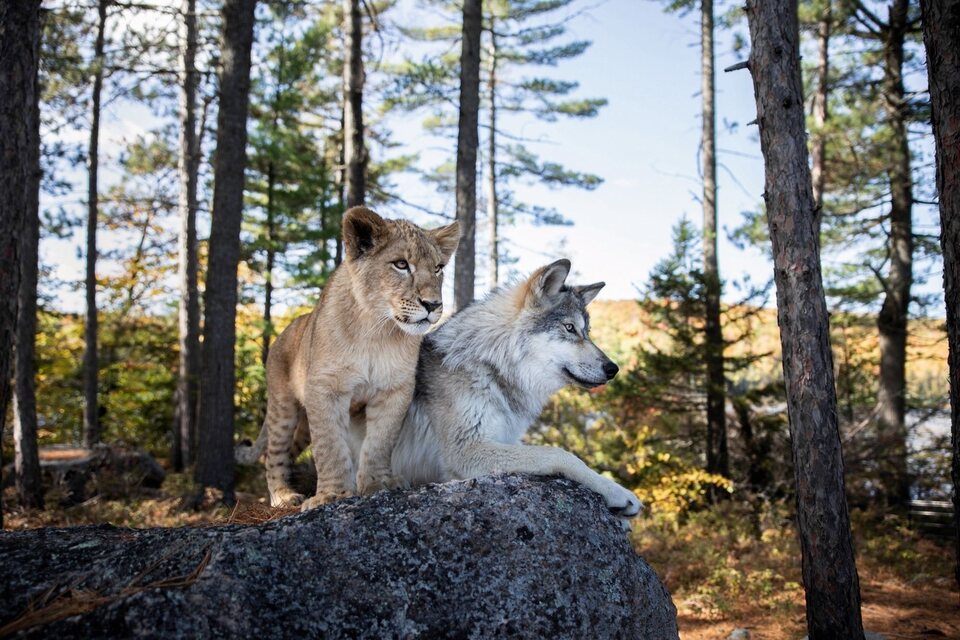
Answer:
(355, 353)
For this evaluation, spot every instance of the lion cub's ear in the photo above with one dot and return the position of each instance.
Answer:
(362, 231)
(447, 238)
(589, 291)
(547, 281)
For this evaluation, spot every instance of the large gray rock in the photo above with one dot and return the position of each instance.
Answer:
(509, 556)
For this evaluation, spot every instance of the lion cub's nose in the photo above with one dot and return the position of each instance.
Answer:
(431, 305)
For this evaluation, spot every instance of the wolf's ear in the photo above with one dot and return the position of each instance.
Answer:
(447, 238)
(362, 231)
(589, 291)
(547, 281)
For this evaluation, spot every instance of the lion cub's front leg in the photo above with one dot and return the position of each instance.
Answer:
(384, 418)
(328, 416)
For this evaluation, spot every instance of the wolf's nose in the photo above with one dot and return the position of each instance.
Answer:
(610, 369)
(430, 305)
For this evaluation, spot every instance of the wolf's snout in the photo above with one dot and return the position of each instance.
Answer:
(610, 369)
(431, 305)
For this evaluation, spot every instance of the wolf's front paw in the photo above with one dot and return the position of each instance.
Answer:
(621, 502)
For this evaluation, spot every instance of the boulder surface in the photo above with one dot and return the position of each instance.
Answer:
(499, 557)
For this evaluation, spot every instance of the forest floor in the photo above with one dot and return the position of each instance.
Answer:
(728, 567)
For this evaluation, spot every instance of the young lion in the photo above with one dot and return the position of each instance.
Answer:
(355, 353)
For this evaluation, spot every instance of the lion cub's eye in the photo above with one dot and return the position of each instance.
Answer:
(438, 269)
(569, 327)
(402, 265)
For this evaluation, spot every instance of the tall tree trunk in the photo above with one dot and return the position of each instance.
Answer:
(340, 179)
(188, 376)
(20, 26)
(717, 459)
(215, 453)
(468, 139)
(355, 154)
(818, 145)
(268, 276)
(941, 33)
(91, 365)
(26, 460)
(829, 569)
(892, 320)
(493, 202)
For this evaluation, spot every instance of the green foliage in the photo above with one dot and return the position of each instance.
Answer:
(521, 38)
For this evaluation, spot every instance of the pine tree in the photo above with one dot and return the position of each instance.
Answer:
(941, 33)
(19, 53)
(829, 569)
(215, 452)
(290, 186)
(467, 143)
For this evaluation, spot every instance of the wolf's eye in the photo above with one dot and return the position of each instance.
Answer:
(569, 327)
(402, 265)
(439, 268)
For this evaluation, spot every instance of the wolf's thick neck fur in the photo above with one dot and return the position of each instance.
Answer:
(496, 333)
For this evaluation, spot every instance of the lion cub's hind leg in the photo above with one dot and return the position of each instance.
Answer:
(283, 414)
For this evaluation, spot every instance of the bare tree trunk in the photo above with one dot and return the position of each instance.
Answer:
(340, 179)
(892, 320)
(19, 50)
(829, 569)
(717, 459)
(355, 154)
(268, 276)
(941, 33)
(493, 203)
(26, 460)
(818, 146)
(468, 140)
(188, 377)
(91, 409)
(215, 452)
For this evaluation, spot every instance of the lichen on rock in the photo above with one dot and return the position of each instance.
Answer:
(506, 556)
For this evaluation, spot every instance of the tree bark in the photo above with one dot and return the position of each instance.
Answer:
(818, 146)
(19, 51)
(355, 153)
(91, 365)
(717, 459)
(493, 203)
(340, 179)
(215, 452)
(268, 276)
(941, 33)
(892, 320)
(829, 570)
(468, 140)
(26, 459)
(188, 377)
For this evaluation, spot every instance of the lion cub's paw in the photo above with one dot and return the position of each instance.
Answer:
(621, 502)
(368, 482)
(321, 499)
(286, 498)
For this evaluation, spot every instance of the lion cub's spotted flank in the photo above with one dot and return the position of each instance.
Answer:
(355, 353)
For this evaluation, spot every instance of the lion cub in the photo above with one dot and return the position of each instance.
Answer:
(354, 354)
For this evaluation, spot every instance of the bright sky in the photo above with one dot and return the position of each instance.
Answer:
(644, 144)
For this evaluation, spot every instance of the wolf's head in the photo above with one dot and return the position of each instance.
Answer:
(397, 267)
(555, 317)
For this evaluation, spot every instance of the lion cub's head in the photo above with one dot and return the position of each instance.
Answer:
(397, 267)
